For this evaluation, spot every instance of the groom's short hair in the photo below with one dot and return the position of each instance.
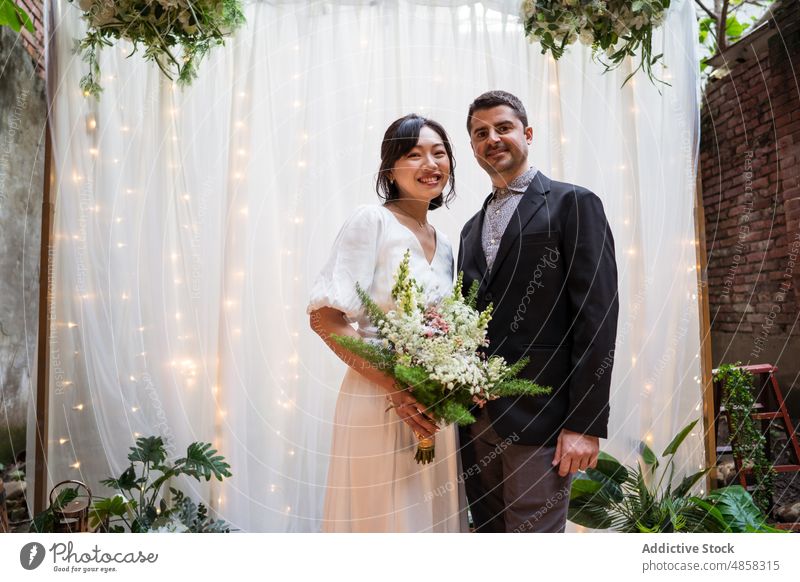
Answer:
(493, 99)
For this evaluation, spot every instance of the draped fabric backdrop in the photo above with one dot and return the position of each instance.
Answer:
(190, 224)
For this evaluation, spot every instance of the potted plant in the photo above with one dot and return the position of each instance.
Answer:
(139, 506)
(642, 499)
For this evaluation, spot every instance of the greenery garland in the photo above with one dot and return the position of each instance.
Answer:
(175, 34)
(613, 28)
(747, 440)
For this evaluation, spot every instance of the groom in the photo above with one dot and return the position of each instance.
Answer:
(544, 256)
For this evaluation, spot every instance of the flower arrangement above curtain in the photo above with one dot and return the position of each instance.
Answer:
(613, 28)
(175, 34)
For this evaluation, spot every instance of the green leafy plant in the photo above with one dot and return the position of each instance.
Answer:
(723, 22)
(139, 505)
(747, 440)
(14, 16)
(640, 500)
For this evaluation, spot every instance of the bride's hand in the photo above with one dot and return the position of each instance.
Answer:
(412, 412)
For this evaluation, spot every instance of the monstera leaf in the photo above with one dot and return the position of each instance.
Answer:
(148, 450)
(202, 461)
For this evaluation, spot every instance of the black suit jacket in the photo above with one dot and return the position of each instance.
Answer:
(554, 290)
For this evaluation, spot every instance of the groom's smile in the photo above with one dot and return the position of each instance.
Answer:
(496, 154)
(500, 143)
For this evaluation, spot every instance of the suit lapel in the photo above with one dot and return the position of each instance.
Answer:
(532, 201)
(473, 243)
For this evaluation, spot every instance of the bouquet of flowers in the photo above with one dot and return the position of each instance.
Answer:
(160, 26)
(616, 28)
(434, 351)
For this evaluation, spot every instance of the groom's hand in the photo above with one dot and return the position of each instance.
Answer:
(575, 452)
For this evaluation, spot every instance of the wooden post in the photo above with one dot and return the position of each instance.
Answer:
(705, 334)
(46, 297)
(4, 525)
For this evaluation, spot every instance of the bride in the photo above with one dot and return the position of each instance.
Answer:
(374, 483)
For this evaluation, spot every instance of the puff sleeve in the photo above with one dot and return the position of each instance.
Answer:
(352, 260)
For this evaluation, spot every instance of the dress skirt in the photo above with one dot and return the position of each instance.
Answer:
(374, 483)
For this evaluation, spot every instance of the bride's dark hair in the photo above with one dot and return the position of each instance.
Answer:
(400, 138)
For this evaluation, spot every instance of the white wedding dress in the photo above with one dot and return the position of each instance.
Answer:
(374, 483)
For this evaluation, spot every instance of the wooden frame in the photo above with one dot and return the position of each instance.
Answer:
(707, 381)
(43, 342)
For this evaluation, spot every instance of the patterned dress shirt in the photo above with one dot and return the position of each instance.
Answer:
(499, 211)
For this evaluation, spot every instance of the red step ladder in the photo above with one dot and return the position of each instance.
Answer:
(769, 406)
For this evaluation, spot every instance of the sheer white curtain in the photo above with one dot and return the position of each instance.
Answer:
(190, 223)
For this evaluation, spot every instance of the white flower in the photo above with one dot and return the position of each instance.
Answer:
(528, 9)
(586, 37)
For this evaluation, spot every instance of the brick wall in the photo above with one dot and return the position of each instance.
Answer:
(750, 171)
(34, 43)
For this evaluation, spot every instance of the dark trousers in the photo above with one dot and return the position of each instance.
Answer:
(510, 487)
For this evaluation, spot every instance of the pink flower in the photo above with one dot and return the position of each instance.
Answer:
(478, 400)
(435, 320)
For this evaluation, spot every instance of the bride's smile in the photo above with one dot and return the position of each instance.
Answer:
(422, 173)
(432, 180)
